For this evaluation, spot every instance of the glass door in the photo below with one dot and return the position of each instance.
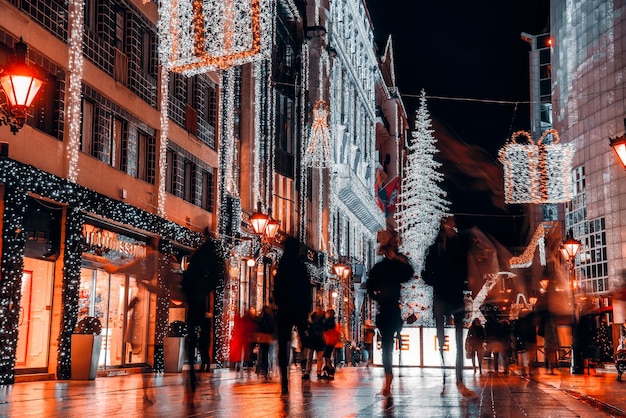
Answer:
(33, 340)
(122, 308)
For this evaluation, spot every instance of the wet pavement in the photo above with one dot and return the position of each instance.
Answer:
(353, 393)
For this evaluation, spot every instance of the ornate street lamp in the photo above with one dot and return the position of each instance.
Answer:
(19, 84)
(570, 248)
(619, 145)
(266, 228)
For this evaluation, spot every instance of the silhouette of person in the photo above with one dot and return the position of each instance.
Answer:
(383, 286)
(293, 296)
(446, 271)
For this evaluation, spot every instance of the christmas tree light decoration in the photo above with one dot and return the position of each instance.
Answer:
(526, 258)
(421, 200)
(198, 36)
(417, 298)
(318, 149)
(164, 122)
(537, 172)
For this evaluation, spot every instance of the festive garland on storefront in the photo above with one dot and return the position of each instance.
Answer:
(19, 179)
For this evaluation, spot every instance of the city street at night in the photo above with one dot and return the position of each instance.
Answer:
(416, 393)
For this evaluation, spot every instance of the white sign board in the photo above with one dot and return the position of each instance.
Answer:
(419, 347)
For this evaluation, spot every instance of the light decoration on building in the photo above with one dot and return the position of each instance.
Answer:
(304, 82)
(537, 172)
(164, 121)
(229, 149)
(198, 36)
(526, 258)
(79, 200)
(74, 87)
(318, 150)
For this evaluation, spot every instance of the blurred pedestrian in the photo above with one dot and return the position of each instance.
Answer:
(313, 342)
(475, 341)
(498, 341)
(551, 346)
(446, 270)
(368, 342)
(293, 297)
(332, 334)
(205, 271)
(525, 332)
(384, 286)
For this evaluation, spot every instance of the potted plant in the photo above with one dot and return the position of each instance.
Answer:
(86, 344)
(174, 347)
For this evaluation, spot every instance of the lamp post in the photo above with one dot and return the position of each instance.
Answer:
(570, 249)
(19, 84)
(266, 228)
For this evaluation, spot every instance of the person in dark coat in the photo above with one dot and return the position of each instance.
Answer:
(446, 271)
(293, 298)
(384, 286)
(476, 338)
(206, 269)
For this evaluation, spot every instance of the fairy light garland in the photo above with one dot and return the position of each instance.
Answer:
(79, 200)
(229, 136)
(164, 121)
(75, 68)
(13, 241)
(537, 172)
(304, 178)
(198, 36)
(259, 103)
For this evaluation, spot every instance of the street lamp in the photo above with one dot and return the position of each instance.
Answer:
(19, 84)
(619, 145)
(266, 228)
(570, 248)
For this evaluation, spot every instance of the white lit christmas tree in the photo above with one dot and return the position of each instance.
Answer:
(422, 201)
(417, 299)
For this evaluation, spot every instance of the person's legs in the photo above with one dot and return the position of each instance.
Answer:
(283, 334)
(458, 326)
(386, 339)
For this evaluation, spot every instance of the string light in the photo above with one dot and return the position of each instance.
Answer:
(537, 172)
(422, 201)
(318, 150)
(18, 177)
(526, 258)
(75, 68)
(164, 121)
(199, 36)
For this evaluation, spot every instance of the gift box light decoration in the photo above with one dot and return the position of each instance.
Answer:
(198, 36)
(537, 172)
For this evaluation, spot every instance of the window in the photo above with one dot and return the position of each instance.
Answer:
(118, 133)
(208, 190)
(119, 30)
(170, 171)
(45, 109)
(211, 107)
(189, 182)
(86, 138)
(91, 15)
(146, 49)
(142, 153)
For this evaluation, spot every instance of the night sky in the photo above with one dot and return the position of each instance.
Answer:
(470, 51)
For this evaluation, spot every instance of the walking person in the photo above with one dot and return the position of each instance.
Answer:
(313, 342)
(475, 341)
(551, 344)
(332, 333)
(446, 271)
(383, 286)
(292, 295)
